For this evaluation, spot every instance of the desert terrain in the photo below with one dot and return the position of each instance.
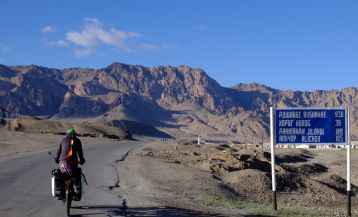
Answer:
(165, 101)
(165, 107)
(181, 178)
(233, 181)
(27, 133)
(177, 104)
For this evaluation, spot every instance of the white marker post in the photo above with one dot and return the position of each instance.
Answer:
(348, 140)
(272, 139)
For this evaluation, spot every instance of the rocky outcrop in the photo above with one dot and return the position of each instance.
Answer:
(175, 99)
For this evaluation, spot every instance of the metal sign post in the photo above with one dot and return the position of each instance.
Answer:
(349, 193)
(314, 126)
(272, 141)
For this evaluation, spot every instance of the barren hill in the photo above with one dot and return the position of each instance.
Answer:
(28, 124)
(176, 100)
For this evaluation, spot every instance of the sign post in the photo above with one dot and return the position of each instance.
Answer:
(311, 126)
(349, 194)
(273, 172)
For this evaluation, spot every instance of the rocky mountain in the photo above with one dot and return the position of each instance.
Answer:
(177, 100)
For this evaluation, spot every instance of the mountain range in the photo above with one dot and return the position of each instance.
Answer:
(176, 101)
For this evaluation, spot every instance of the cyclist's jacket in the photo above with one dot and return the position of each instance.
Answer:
(70, 150)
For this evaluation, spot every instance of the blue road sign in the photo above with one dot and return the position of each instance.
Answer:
(311, 126)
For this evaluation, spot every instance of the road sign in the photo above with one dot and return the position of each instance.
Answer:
(311, 126)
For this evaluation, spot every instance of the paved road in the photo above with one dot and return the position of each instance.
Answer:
(25, 187)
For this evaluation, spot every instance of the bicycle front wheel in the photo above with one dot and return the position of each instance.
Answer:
(69, 201)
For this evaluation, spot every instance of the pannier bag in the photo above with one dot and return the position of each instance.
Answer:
(77, 185)
(57, 183)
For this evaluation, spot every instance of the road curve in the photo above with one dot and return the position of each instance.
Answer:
(25, 187)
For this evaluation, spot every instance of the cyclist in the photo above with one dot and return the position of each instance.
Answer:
(69, 151)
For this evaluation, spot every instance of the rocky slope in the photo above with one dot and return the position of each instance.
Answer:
(28, 124)
(176, 100)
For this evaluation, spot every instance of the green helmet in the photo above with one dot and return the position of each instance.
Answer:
(71, 131)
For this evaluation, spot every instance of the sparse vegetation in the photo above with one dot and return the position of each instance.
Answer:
(256, 209)
(236, 181)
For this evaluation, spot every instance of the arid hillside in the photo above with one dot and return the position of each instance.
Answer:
(177, 100)
(28, 124)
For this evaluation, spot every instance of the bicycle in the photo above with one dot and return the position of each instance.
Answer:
(70, 193)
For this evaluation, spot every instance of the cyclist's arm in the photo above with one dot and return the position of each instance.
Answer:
(59, 152)
(80, 152)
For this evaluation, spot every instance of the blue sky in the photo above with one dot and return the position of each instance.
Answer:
(298, 44)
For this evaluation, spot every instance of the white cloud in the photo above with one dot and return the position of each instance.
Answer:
(83, 53)
(83, 39)
(94, 38)
(48, 29)
(58, 43)
(94, 34)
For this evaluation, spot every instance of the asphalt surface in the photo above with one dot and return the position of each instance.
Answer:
(25, 183)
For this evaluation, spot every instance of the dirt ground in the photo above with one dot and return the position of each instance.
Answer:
(237, 182)
(13, 142)
(33, 134)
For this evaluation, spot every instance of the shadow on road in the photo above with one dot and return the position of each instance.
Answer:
(259, 216)
(142, 211)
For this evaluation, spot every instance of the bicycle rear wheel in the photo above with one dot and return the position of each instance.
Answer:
(69, 201)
